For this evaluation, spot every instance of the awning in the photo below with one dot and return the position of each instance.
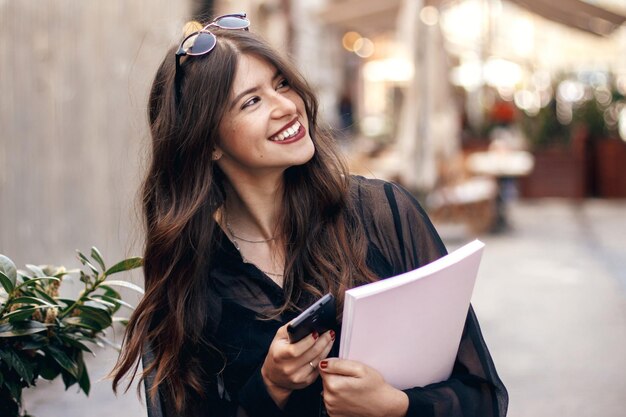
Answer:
(378, 15)
(576, 14)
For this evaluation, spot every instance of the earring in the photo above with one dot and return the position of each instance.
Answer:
(216, 155)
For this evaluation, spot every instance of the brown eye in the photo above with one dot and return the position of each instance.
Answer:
(283, 84)
(250, 102)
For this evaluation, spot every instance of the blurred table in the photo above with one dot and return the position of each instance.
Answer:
(506, 166)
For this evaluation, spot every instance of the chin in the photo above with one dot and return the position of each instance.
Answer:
(308, 153)
(302, 155)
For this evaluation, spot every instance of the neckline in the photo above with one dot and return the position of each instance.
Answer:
(231, 249)
(234, 236)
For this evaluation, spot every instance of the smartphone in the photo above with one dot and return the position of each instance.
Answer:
(319, 317)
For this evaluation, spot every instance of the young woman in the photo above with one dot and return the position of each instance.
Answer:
(250, 217)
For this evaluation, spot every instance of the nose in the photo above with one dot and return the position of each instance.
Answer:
(282, 105)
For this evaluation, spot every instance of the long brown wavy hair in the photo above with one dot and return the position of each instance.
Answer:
(183, 188)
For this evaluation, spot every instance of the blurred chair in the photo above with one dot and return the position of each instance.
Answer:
(461, 198)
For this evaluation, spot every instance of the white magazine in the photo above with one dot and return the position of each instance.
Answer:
(409, 327)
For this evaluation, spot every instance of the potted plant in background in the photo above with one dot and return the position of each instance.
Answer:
(45, 335)
(559, 160)
(600, 115)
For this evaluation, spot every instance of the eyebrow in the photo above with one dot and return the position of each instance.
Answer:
(250, 90)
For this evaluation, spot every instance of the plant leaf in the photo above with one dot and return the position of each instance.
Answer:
(99, 315)
(73, 340)
(68, 379)
(32, 301)
(22, 275)
(95, 254)
(85, 322)
(107, 342)
(125, 265)
(125, 285)
(48, 368)
(44, 296)
(28, 282)
(37, 271)
(110, 292)
(33, 344)
(122, 320)
(62, 359)
(53, 270)
(68, 302)
(15, 388)
(101, 301)
(83, 259)
(21, 313)
(6, 282)
(117, 301)
(93, 268)
(45, 278)
(7, 267)
(67, 272)
(21, 329)
(83, 376)
(23, 368)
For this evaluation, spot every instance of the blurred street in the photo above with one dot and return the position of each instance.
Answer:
(551, 298)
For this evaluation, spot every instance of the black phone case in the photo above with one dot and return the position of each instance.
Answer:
(319, 317)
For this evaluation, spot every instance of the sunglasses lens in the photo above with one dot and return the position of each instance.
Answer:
(232, 22)
(199, 44)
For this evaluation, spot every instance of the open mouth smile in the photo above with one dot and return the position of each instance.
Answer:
(290, 134)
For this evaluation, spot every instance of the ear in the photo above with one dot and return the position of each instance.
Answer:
(217, 154)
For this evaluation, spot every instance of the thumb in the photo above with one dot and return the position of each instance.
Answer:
(341, 367)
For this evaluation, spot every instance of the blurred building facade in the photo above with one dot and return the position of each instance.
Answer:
(424, 78)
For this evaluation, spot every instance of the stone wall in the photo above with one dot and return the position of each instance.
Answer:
(74, 78)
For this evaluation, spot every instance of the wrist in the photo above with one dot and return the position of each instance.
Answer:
(279, 394)
(399, 403)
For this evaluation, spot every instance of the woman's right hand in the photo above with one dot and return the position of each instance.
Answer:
(290, 366)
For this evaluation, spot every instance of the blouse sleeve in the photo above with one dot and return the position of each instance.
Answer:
(254, 398)
(405, 235)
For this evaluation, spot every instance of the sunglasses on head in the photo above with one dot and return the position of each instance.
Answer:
(203, 41)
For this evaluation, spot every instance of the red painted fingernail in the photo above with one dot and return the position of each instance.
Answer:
(332, 335)
(324, 364)
(315, 335)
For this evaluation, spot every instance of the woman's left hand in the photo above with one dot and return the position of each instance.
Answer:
(354, 389)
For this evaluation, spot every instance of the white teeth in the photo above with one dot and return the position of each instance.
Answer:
(290, 131)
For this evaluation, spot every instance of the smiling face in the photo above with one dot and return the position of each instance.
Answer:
(265, 127)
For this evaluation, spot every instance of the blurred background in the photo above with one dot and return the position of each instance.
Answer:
(506, 118)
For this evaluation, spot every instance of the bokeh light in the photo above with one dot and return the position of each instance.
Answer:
(349, 39)
(429, 15)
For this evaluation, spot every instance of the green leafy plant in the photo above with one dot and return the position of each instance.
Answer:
(600, 117)
(544, 130)
(45, 335)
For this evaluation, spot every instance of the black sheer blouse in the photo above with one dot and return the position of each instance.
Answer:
(401, 238)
